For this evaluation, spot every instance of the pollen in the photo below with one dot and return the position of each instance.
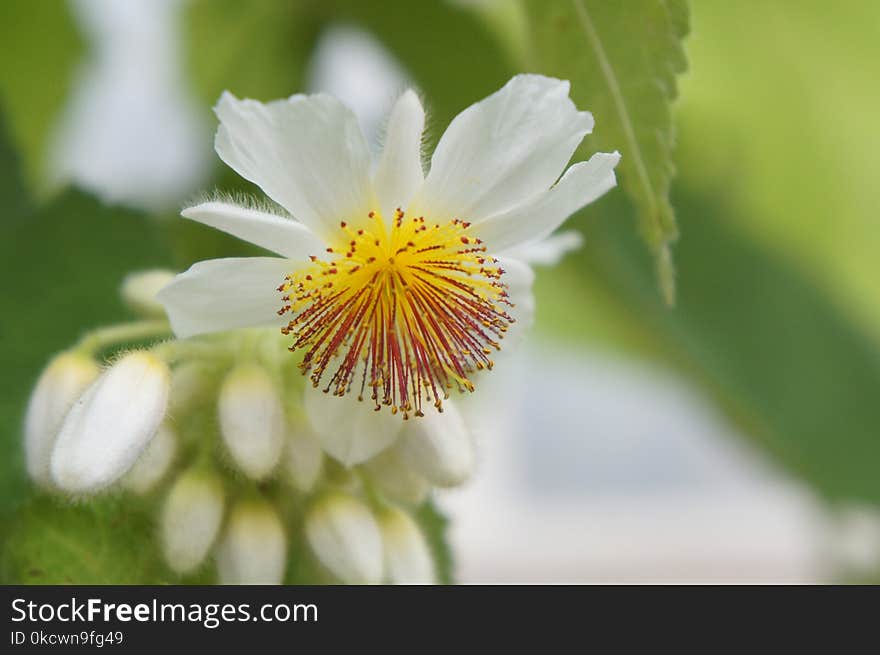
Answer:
(401, 313)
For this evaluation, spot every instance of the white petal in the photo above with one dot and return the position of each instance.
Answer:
(108, 428)
(504, 149)
(549, 251)
(222, 294)
(439, 446)
(582, 184)
(399, 173)
(519, 278)
(395, 479)
(284, 236)
(306, 152)
(350, 431)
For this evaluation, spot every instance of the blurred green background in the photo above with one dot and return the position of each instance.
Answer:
(767, 111)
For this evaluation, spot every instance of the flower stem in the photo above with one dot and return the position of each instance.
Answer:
(104, 337)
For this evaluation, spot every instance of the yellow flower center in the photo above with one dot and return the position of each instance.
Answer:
(406, 313)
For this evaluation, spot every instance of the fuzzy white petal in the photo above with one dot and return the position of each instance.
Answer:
(285, 236)
(307, 153)
(548, 251)
(111, 424)
(583, 183)
(504, 149)
(223, 294)
(350, 431)
(399, 172)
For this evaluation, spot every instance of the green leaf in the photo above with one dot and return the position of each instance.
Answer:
(41, 47)
(254, 49)
(104, 541)
(791, 370)
(622, 60)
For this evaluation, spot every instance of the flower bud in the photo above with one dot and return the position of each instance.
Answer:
(110, 425)
(350, 433)
(63, 381)
(395, 479)
(139, 291)
(190, 520)
(345, 537)
(251, 420)
(407, 555)
(303, 459)
(253, 549)
(439, 447)
(153, 462)
(190, 386)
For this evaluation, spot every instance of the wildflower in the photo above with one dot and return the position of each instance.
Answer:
(110, 425)
(395, 285)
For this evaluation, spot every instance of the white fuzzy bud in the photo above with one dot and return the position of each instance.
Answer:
(395, 479)
(407, 555)
(153, 462)
(439, 447)
(345, 537)
(110, 425)
(190, 520)
(139, 291)
(303, 458)
(63, 381)
(252, 420)
(253, 549)
(190, 384)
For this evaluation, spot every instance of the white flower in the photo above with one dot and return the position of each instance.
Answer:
(253, 549)
(394, 284)
(190, 520)
(110, 425)
(407, 556)
(63, 381)
(251, 419)
(345, 537)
